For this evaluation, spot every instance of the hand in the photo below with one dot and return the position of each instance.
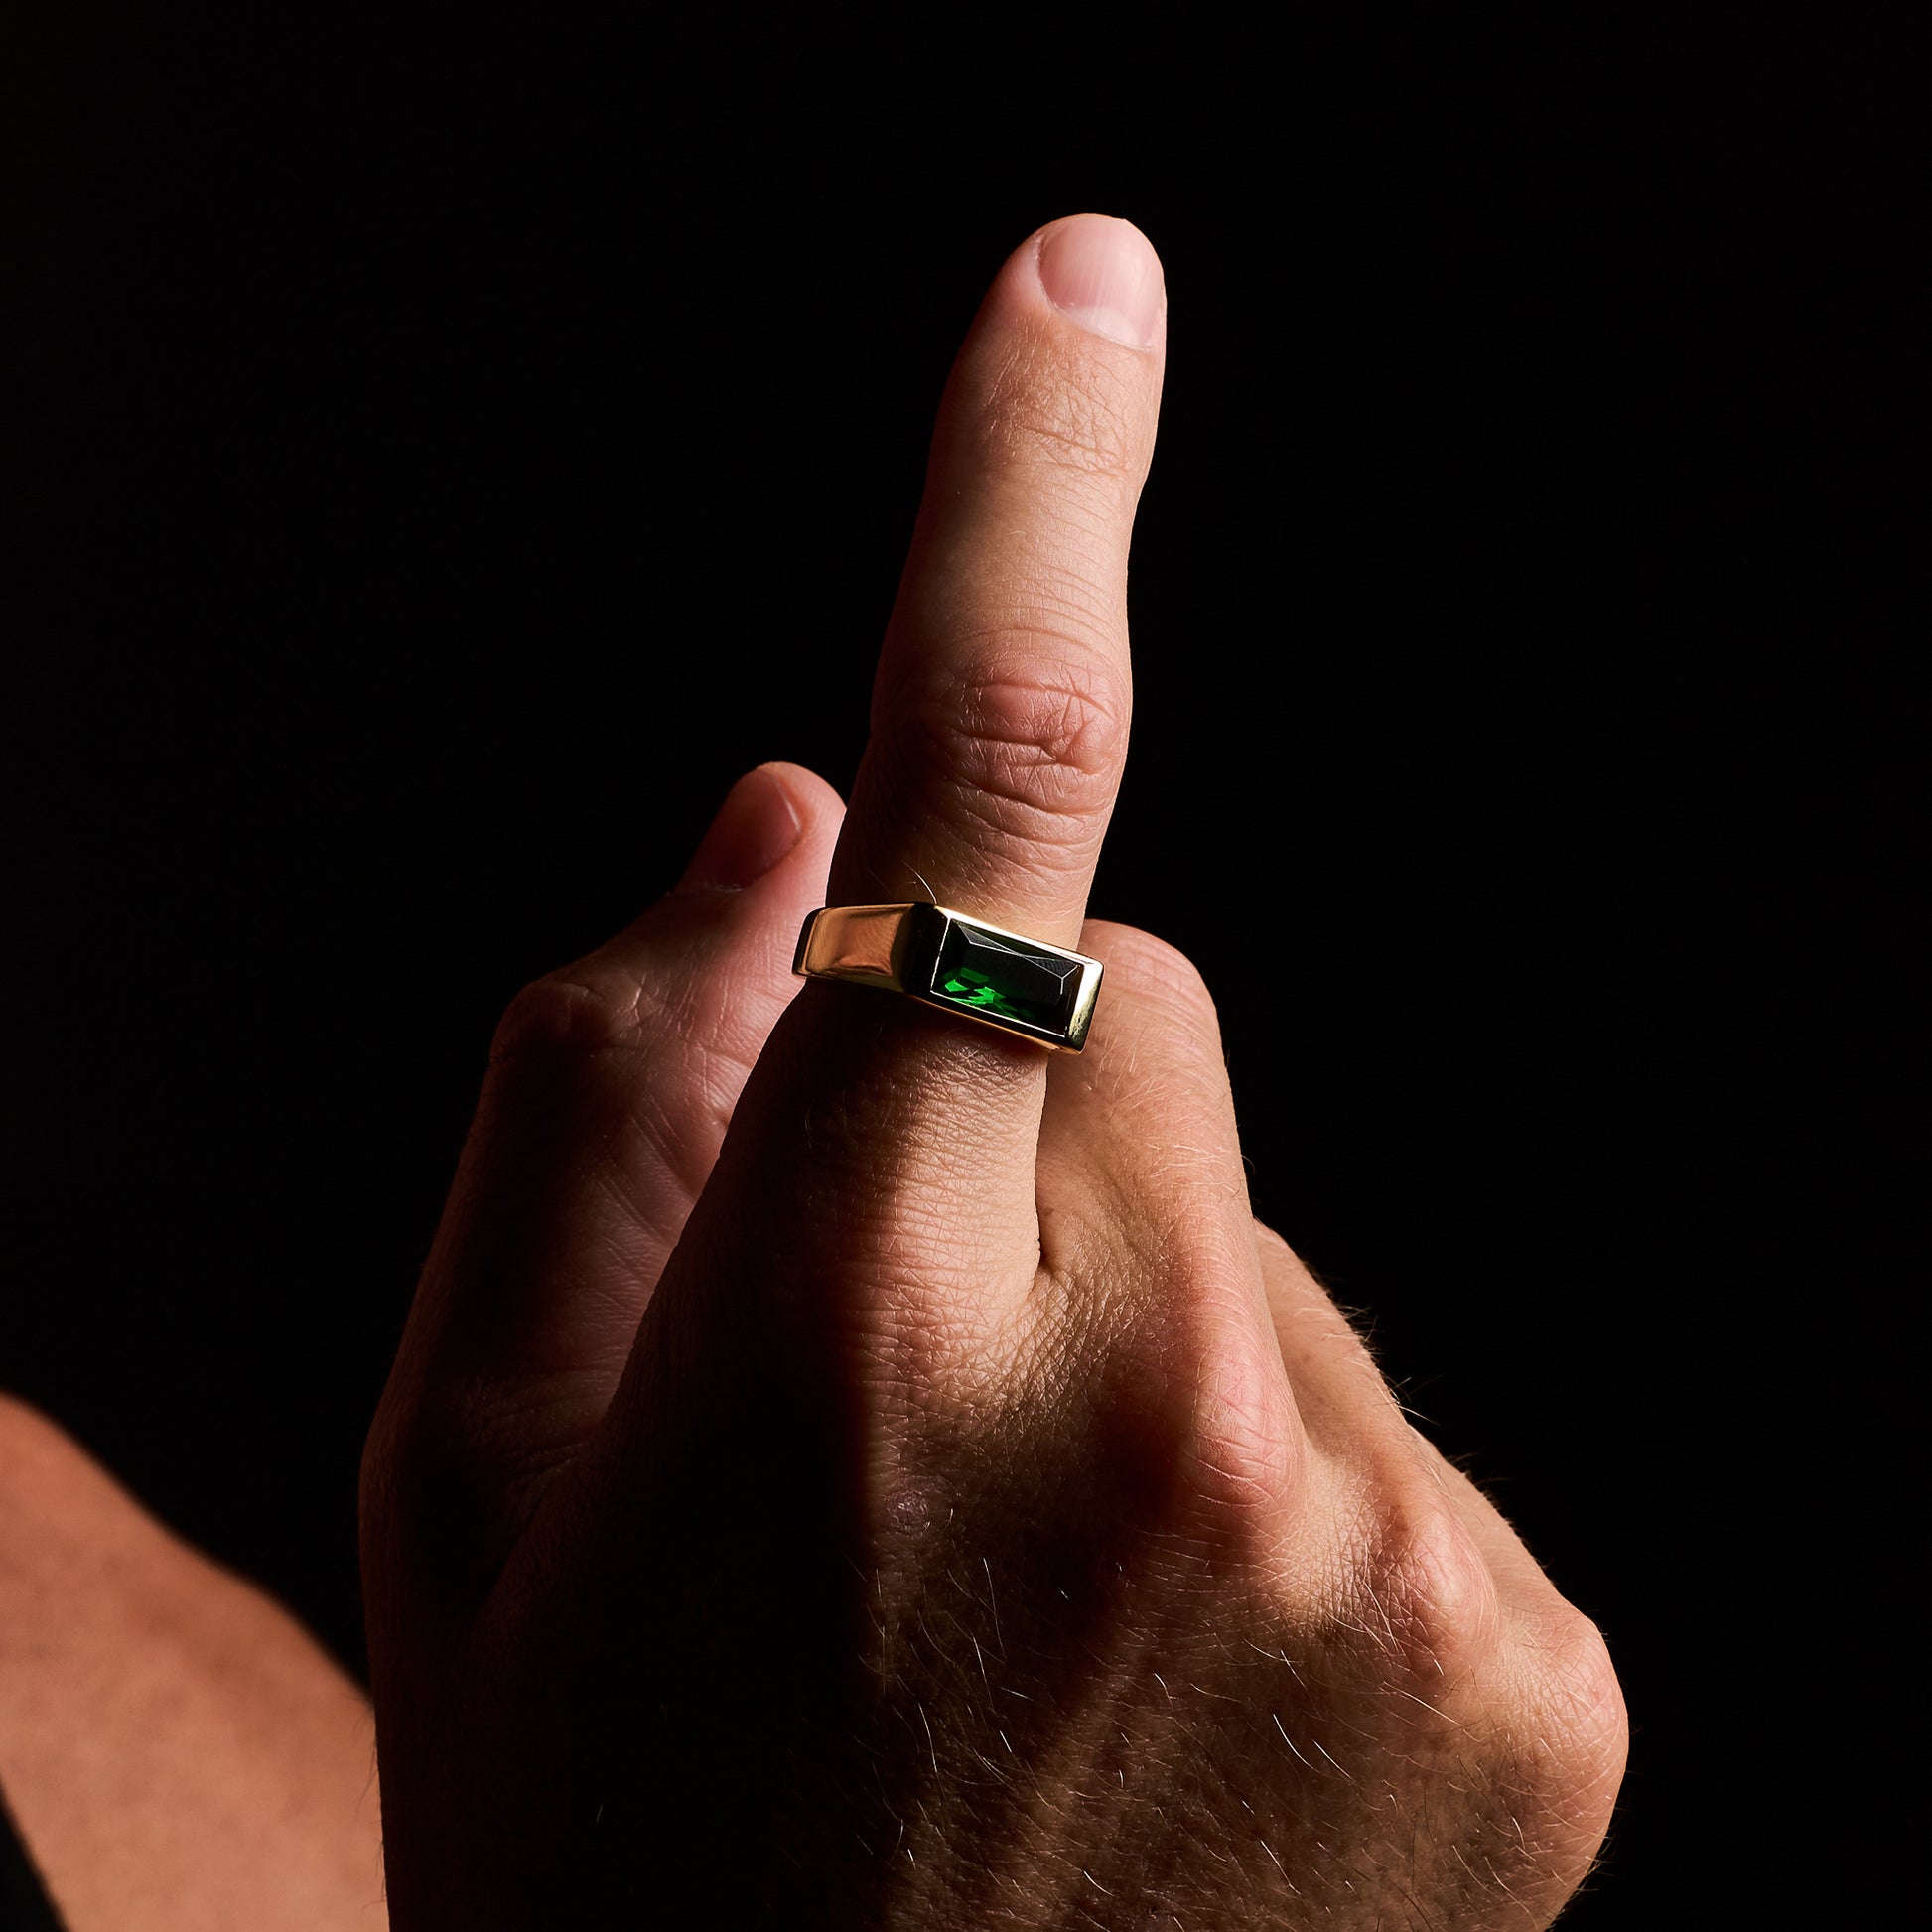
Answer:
(934, 1502)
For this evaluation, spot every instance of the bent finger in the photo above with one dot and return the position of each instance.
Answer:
(1147, 1236)
(1358, 1422)
(610, 1085)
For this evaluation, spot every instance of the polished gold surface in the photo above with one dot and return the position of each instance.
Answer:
(899, 948)
(855, 942)
(1084, 1001)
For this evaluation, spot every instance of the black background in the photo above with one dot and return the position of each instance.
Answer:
(450, 460)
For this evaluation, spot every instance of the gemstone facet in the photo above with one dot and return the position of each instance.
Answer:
(1005, 977)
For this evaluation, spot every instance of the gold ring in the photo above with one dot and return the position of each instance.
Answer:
(958, 964)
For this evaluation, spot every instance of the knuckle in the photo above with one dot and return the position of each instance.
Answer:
(410, 1460)
(444, 1473)
(1152, 967)
(1046, 740)
(1561, 1746)
(1578, 1715)
(575, 1012)
(1429, 1590)
(1247, 1451)
(1161, 1032)
(390, 1501)
(1198, 1417)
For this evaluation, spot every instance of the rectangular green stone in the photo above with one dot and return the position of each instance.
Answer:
(1004, 979)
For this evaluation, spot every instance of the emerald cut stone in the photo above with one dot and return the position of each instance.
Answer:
(1006, 979)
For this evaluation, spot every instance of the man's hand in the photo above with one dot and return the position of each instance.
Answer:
(934, 1502)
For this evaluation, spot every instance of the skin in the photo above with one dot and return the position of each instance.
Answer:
(178, 1753)
(847, 1467)
(931, 1502)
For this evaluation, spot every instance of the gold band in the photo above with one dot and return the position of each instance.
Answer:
(960, 965)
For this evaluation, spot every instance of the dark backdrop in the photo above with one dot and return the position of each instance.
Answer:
(451, 460)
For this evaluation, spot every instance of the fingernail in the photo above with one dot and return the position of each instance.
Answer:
(1104, 275)
(756, 827)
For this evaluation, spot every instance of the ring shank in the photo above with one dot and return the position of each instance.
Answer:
(855, 942)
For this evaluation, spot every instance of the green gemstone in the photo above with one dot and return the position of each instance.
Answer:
(1006, 979)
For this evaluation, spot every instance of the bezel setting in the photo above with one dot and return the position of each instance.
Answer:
(959, 964)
